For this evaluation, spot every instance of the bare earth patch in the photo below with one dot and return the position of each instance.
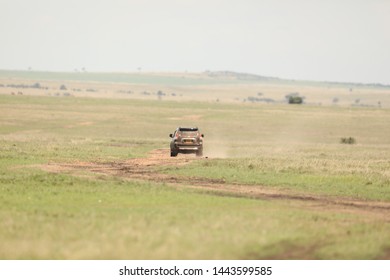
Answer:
(145, 169)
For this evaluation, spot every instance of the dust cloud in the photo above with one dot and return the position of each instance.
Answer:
(216, 150)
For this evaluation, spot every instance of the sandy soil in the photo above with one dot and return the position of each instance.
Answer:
(145, 169)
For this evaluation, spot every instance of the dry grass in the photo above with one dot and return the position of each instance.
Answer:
(45, 215)
(194, 87)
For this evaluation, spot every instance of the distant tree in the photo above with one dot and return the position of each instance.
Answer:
(252, 99)
(62, 87)
(335, 100)
(160, 94)
(36, 85)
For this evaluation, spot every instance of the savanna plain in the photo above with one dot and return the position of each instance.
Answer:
(86, 173)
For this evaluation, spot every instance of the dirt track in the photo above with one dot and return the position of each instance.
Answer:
(144, 169)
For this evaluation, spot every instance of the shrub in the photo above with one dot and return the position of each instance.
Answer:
(347, 140)
(294, 98)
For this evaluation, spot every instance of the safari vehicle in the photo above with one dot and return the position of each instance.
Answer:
(186, 140)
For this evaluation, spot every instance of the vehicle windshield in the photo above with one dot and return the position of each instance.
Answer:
(188, 132)
(188, 129)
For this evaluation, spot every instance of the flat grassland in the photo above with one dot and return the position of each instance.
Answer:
(85, 171)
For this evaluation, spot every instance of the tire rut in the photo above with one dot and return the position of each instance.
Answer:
(145, 169)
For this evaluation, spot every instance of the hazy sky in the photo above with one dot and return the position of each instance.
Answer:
(333, 40)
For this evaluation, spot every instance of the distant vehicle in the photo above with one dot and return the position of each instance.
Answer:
(186, 140)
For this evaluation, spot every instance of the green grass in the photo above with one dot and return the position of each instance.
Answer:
(328, 171)
(63, 215)
(59, 216)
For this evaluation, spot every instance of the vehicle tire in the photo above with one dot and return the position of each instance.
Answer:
(173, 153)
(199, 153)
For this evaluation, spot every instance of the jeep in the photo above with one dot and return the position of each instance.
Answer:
(186, 140)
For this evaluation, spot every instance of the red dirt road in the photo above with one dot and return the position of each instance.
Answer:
(145, 169)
